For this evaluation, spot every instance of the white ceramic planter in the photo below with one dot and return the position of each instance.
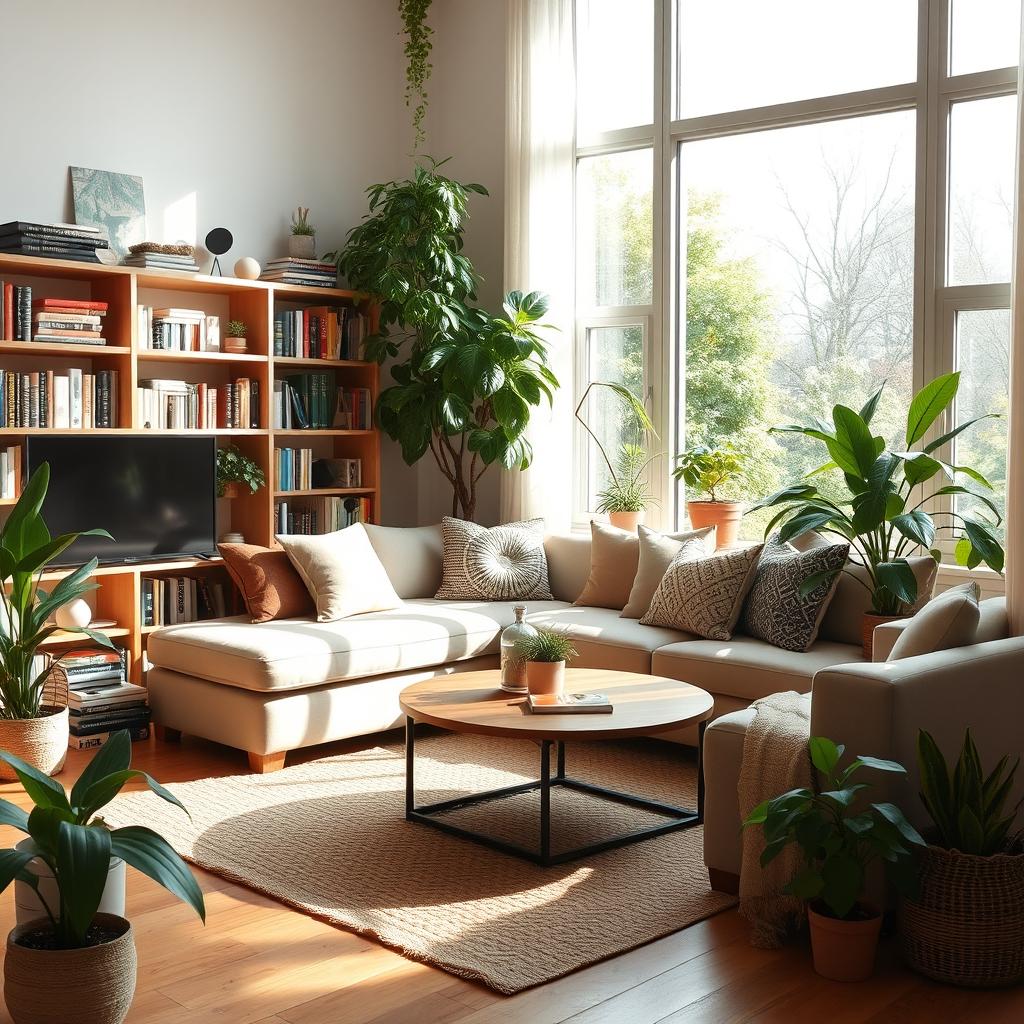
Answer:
(27, 903)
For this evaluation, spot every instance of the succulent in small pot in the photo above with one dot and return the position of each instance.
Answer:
(235, 469)
(714, 472)
(545, 654)
(302, 242)
(74, 962)
(837, 842)
(236, 336)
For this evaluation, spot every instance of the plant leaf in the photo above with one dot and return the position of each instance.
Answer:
(43, 791)
(929, 403)
(824, 754)
(114, 756)
(150, 853)
(83, 860)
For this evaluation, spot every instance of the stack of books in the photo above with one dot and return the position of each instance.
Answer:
(293, 469)
(320, 332)
(167, 601)
(320, 515)
(74, 321)
(354, 410)
(100, 699)
(304, 401)
(287, 270)
(154, 258)
(73, 400)
(15, 312)
(53, 241)
(183, 405)
(10, 472)
(171, 329)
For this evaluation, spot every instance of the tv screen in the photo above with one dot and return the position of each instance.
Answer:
(156, 496)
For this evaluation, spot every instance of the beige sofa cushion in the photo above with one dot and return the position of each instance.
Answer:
(614, 555)
(747, 668)
(949, 620)
(292, 653)
(411, 557)
(568, 564)
(656, 551)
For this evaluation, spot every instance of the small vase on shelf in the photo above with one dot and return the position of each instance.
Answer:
(513, 665)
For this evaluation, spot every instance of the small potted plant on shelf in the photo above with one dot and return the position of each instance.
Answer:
(714, 472)
(545, 654)
(235, 340)
(966, 927)
(235, 469)
(74, 963)
(626, 497)
(837, 842)
(33, 698)
(302, 242)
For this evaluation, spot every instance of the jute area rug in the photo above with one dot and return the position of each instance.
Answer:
(330, 838)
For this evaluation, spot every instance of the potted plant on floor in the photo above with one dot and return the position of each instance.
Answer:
(884, 515)
(74, 963)
(545, 654)
(966, 926)
(302, 241)
(626, 497)
(714, 472)
(31, 723)
(235, 469)
(838, 842)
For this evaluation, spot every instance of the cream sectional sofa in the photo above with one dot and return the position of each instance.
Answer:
(293, 683)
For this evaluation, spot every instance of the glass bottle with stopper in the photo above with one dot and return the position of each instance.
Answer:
(513, 666)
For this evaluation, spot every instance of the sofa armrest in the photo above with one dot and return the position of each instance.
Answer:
(884, 638)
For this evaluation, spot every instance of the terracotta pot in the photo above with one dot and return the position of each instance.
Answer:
(27, 901)
(545, 676)
(232, 490)
(724, 516)
(302, 247)
(54, 986)
(628, 521)
(42, 741)
(844, 950)
(236, 345)
(868, 631)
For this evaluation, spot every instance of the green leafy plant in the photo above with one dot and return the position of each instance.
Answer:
(465, 382)
(549, 645)
(969, 808)
(236, 328)
(884, 518)
(300, 222)
(627, 489)
(76, 844)
(711, 471)
(418, 67)
(26, 549)
(234, 467)
(837, 840)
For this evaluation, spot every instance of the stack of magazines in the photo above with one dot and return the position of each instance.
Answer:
(101, 701)
(53, 241)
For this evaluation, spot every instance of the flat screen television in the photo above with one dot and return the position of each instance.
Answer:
(156, 496)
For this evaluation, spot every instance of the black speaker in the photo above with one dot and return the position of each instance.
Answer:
(218, 241)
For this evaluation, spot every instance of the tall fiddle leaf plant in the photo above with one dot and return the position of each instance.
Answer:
(465, 381)
(26, 548)
(884, 514)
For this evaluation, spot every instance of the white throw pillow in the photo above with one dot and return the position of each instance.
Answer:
(947, 621)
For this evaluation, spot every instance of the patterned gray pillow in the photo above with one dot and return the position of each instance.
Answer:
(775, 611)
(703, 594)
(503, 563)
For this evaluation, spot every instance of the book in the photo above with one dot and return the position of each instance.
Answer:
(80, 304)
(17, 227)
(93, 740)
(569, 704)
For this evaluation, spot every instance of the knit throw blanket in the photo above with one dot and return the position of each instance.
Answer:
(775, 760)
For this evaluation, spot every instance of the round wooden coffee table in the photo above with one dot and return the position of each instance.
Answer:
(473, 702)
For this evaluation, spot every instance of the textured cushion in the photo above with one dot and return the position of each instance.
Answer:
(949, 620)
(775, 610)
(411, 556)
(504, 563)
(656, 551)
(701, 594)
(342, 572)
(270, 586)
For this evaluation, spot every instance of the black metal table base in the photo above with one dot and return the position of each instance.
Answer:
(675, 818)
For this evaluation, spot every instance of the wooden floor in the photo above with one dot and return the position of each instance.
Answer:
(257, 962)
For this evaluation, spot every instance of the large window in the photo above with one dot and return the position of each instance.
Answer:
(781, 206)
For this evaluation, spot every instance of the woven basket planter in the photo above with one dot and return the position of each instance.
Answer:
(55, 986)
(968, 928)
(42, 742)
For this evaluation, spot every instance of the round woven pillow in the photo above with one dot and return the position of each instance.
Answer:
(504, 564)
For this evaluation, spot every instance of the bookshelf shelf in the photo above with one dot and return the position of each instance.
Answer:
(63, 637)
(329, 432)
(323, 492)
(159, 356)
(48, 348)
(297, 361)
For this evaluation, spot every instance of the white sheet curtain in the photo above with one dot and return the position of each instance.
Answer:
(540, 126)
(1015, 455)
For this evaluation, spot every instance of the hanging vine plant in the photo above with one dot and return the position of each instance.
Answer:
(418, 66)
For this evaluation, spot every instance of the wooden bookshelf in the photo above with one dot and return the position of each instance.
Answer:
(255, 302)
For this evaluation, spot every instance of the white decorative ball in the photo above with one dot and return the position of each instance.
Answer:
(74, 614)
(247, 268)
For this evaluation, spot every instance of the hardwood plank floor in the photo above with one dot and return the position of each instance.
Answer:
(258, 962)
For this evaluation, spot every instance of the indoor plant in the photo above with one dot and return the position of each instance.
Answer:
(714, 472)
(838, 842)
(235, 340)
(966, 926)
(626, 496)
(302, 241)
(465, 382)
(74, 963)
(234, 469)
(545, 654)
(36, 730)
(883, 515)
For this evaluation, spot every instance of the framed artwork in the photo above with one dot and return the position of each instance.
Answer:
(112, 202)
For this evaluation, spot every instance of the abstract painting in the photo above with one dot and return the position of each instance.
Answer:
(113, 202)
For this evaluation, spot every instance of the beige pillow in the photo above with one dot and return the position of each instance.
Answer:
(342, 572)
(656, 551)
(947, 621)
(701, 594)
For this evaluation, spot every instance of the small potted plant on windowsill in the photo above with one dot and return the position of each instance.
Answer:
(713, 472)
(837, 842)
(302, 241)
(235, 469)
(545, 655)
(236, 340)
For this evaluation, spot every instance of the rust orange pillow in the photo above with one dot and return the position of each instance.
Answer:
(270, 586)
